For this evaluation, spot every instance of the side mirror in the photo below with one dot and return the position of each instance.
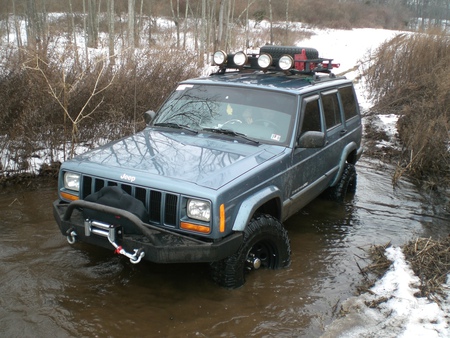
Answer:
(149, 115)
(311, 139)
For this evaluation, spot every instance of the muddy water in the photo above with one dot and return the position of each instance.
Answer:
(48, 288)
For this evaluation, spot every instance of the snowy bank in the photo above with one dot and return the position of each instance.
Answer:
(391, 309)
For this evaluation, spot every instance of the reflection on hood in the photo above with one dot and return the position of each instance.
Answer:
(200, 159)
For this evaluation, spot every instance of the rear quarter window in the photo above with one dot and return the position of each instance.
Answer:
(331, 110)
(348, 102)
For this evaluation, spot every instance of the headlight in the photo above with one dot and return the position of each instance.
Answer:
(199, 210)
(72, 181)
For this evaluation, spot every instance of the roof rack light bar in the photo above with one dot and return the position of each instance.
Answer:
(280, 58)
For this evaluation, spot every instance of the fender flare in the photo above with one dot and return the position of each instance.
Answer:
(252, 203)
(345, 153)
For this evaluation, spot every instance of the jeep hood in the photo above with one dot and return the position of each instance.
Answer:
(203, 159)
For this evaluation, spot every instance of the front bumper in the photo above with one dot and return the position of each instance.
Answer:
(157, 245)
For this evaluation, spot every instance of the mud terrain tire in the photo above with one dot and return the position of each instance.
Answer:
(266, 239)
(346, 184)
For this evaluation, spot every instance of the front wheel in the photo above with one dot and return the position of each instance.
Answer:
(265, 245)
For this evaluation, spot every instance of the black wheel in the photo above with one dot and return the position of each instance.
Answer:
(347, 183)
(265, 245)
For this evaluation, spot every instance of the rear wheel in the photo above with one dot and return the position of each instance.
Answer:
(347, 183)
(265, 245)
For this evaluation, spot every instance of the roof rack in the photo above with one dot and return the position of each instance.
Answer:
(290, 59)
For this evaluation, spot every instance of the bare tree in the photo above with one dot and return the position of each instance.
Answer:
(61, 90)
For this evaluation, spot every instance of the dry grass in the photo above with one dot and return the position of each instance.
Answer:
(429, 259)
(41, 96)
(407, 76)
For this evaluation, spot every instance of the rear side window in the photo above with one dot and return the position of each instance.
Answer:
(331, 110)
(348, 102)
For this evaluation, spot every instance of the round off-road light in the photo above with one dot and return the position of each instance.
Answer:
(265, 61)
(240, 58)
(286, 62)
(220, 57)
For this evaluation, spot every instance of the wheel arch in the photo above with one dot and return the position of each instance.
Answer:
(350, 154)
(267, 200)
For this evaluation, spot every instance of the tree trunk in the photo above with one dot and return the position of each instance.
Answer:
(73, 34)
(92, 24)
(227, 26)
(150, 23)
(131, 16)
(203, 34)
(139, 25)
(111, 19)
(186, 12)
(219, 44)
(212, 26)
(85, 31)
(247, 26)
(287, 22)
(17, 27)
(271, 22)
(32, 29)
(176, 19)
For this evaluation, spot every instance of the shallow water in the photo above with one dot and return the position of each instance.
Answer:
(49, 288)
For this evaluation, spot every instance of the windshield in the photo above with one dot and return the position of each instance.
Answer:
(262, 115)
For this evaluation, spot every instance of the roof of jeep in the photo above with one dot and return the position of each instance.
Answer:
(270, 80)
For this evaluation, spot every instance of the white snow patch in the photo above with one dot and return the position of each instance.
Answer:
(397, 313)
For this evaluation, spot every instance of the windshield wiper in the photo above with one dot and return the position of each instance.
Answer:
(175, 126)
(230, 132)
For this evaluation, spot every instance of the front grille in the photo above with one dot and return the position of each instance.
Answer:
(161, 206)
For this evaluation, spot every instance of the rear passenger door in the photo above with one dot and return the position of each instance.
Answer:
(335, 129)
(351, 114)
(314, 168)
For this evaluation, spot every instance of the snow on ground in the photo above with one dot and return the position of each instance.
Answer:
(390, 309)
(349, 48)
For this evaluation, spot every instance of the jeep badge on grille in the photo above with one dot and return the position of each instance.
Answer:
(128, 178)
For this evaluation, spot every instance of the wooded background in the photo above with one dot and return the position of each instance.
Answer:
(211, 22)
